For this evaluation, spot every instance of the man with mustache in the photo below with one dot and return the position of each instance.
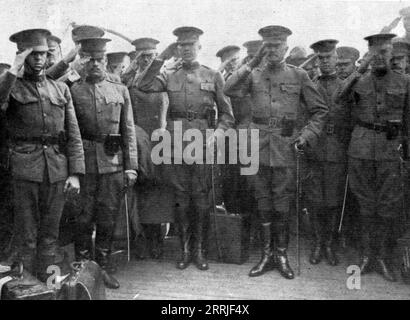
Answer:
(193, 90)
(346, 61)
(47, 155)
(327, 161)
(379, 101)
(104, 113)
(399, 61)
(289, 113)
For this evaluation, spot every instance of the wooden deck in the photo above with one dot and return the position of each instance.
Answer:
(159, 279)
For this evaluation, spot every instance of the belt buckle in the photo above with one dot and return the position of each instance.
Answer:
(273, 122)
(190, 115)
(377, 127)
(330, 129)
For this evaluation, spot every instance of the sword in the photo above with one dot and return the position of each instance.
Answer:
(344, 204)
(298, 194)
(128, 224)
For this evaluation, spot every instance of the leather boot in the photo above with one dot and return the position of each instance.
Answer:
(381, 262)
(330, 254)
(103, 259)
(366, 261)
(316, 253)
(283, 266)
(201, 235)
(266, 262)
(184, 236)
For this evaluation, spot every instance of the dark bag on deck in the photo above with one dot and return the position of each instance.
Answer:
(229, 237)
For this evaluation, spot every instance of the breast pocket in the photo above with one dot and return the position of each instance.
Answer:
(395, 98)
(175, 94)
(113, 108)
(57, 106)
(207, 90)
(289, 96)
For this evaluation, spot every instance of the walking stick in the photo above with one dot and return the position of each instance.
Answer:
(128, 223)
(344, 204)
(298, 195)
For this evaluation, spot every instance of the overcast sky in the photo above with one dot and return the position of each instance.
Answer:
(223, 21)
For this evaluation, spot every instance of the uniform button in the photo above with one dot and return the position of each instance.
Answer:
(44, 147)
(44, 115)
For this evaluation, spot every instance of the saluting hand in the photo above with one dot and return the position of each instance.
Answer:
(19, 60)
(168, 53)
(71, 55)
(260, 54)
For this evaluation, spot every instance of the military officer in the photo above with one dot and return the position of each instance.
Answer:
(346, 61)
(401, 49)
(327, 161)
(54, 54)
(155, 194)
(252, 47)
(193, 89)
(378, 99)
(104, 112)
(46, 148)
(281, 96)
(116, 63)
(229, 56)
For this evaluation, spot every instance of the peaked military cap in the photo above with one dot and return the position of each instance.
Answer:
(327, 45)
(405, 12)
(53, 39)
(227, 51)
(95, 47)
(187, 34)
(148, 45)
(116, 57)
(252, 46)
(400, 47)
(31, 38)
(296, 56)
(379, 38)
(86, 31)
(346, 54)
(274, 34)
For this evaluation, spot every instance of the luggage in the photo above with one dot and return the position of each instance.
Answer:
(21, 285)
(85, 282)
(231, 233)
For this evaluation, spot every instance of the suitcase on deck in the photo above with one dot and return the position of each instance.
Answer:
(228, 237)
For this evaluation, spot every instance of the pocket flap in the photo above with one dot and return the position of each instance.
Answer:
(23, 98)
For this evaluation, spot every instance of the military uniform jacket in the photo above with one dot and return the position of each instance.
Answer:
(193, 88)
(283, 93)
(146, 106)
(41, 108)
(331, 145)
(375, 100)
(105, 108)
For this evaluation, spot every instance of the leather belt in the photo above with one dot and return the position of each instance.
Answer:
(273, 122)
(378, 127)
(95, 137)
(44, 140)
(189, 115)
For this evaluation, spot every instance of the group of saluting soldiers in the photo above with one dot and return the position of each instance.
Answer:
(77, 120)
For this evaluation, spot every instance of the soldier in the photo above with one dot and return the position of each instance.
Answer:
(115, 63)
(105, 119)
(54, 50)
(327, 161)
(45, 147)
(378, 99)
(296, 56)
(281, 94)
(193, 89)
(346, 61)
(155, 194)
(399, 61)
(229, 56)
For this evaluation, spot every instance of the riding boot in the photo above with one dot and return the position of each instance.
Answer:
(382, 264)
(331, 221)
(366, 263)
(316, 253)
(184, 236)
(103, 258)
(282, 236)
(201, 235)
(266, 263)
